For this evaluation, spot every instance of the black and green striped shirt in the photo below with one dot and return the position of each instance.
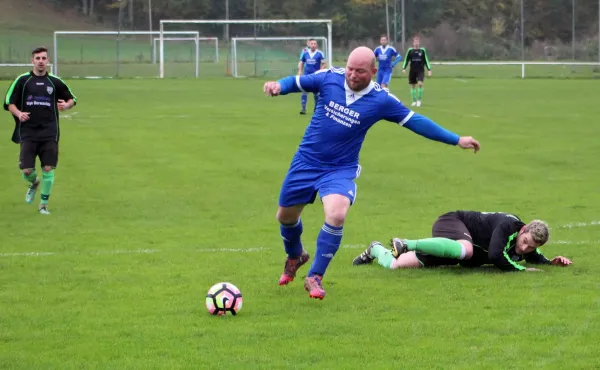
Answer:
(39, 96)
(417, 58)
(494, 236)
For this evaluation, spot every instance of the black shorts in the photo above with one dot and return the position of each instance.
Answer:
(47, 151)
(447, 226)
(416, 75)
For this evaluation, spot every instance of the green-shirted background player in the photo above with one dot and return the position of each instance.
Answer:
(417, 57)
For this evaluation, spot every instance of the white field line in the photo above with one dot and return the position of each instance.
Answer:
(252, 250)
(579, 224)
(217, 250)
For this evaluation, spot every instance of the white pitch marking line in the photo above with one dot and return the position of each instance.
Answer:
(579, 224)
(252, 250)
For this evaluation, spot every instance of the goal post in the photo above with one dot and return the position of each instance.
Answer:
(156, 40)
(289, 60)
(101, 54)
(256, 23)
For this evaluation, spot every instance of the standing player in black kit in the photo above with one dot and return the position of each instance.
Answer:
(470, 239)
(417, 56)
(34, 100)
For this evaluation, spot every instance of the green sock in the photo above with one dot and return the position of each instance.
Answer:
(413, 93)
(420, 93)
(439, 247)
(31, 177)
(383, 255)
(47, 182)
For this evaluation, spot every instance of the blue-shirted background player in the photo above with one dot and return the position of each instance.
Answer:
(305, 49)
(385, 54)
(326, 161)
(311, 61)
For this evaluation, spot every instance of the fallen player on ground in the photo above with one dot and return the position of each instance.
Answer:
(469, 239)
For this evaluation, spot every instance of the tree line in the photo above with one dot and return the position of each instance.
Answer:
(476, 28)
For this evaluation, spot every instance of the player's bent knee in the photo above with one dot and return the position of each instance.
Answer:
(47, 168)
(27, 171)
(336, 208)
(468, 248)
(288, 215)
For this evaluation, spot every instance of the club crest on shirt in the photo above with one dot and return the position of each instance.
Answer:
(50, 89)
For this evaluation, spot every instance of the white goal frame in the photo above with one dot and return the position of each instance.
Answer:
(196, 39)
(196, 34)
(163, 22)
(234, 40)
(522, 64)
(196, 50)
(14, 65)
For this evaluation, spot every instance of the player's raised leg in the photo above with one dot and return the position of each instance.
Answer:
(297, 190)
(27, 155)
(31, 177)
(290, 226)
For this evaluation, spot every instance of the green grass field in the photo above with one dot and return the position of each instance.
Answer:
(167, 187)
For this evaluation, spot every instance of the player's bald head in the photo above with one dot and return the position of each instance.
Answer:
(360, 68)
(363, 56)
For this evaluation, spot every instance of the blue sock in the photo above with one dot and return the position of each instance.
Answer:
(291, 238)
(328, 242)
(304, 100)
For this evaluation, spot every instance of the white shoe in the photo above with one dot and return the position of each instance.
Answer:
(44, 209)
(418, 103)
(413, 104)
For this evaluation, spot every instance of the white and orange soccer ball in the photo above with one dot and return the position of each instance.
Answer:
(222, 298)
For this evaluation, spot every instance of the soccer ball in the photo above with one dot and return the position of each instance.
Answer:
(222, 298)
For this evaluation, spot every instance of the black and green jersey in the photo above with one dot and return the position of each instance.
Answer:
(37, 95)
(494, 236)
(418, 59)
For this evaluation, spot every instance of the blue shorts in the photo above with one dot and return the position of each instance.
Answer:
(303, 181)
(384, 76)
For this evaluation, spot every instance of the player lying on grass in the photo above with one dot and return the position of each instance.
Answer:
(470, 239)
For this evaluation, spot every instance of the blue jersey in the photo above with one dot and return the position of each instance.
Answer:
(342, 117)
(312, 61)
(384, 55)
(326, 161)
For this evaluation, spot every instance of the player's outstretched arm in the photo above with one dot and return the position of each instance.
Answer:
(427, 128)
(294, 84)
(395, 111)
(537, 258)
(561, 261)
